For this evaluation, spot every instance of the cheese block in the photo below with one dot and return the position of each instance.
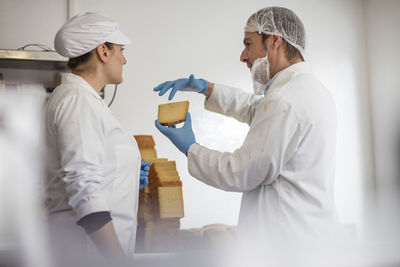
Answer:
(171, 209)
(163, 178)
(158, 162)
(170, 183)
(167, 178)
(161, 159)
(168, 202)
(148, 154)
(145, 141)
(172, 113)
(163, 171)
(163, 175)
(163, 164)
(166, 172)
(153, 186)
(170, 193)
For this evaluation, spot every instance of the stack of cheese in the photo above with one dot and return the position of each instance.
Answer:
(160, 203)
(148, 153)
(146, 146)
(166, 188)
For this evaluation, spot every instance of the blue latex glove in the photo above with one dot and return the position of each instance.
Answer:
(184, 84)
(144, 174)
(183, 137)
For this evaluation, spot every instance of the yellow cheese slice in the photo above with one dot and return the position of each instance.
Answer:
(172, 113)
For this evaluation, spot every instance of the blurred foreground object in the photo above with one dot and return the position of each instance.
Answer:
(22, 236)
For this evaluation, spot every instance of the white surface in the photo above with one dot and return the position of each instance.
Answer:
(171, 40)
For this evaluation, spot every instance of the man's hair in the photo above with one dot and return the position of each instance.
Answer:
(291, 52)
(74, 63)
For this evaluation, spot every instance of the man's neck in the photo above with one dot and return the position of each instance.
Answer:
(283, 64)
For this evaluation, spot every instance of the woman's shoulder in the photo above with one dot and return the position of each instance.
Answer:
(66, 91)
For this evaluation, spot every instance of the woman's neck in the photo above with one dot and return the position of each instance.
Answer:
(92, 79)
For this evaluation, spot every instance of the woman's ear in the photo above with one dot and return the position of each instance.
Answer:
(103, 53)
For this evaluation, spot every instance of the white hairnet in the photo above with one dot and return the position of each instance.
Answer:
(84, 32)
(278, 21)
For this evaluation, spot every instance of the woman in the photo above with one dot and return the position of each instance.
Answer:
(93, 163)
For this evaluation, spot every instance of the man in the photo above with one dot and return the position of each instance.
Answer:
(285, 166)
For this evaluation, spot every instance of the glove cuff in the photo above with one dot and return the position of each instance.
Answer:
(204, 87)
(187, 150)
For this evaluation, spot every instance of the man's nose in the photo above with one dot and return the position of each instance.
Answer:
(243, 56)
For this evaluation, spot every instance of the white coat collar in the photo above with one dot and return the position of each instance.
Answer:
(287, 74)
(73, 78)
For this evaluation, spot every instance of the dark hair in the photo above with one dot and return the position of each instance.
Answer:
(73, 63)
(291, 52)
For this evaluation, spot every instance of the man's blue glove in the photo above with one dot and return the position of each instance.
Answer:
(183, 137)
(144, 173)
(184, 84)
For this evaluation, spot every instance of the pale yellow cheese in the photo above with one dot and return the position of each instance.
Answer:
(148, 154)
(169, 193)
(172, 113)
(170, 202)
(164, 164)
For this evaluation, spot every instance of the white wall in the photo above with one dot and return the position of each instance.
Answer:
(30, 21)
(383, 23)
(172, 39)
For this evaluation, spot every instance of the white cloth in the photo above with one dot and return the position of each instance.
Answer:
(285, 167)
(93, 164)
(84, 32)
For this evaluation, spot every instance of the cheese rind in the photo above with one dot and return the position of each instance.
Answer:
(172, 113)
(145, 141)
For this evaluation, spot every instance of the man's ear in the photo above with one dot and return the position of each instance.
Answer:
(103, 53)
(276, 41)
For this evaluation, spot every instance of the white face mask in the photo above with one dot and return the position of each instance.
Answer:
(260, 74)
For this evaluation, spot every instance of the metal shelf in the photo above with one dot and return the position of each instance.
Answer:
(23, 59)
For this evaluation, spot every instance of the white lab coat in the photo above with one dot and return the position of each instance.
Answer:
(93, 166)
(285, 167)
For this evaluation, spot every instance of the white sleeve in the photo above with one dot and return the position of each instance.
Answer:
(272, 139)
(81, 142)
(232, 102)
